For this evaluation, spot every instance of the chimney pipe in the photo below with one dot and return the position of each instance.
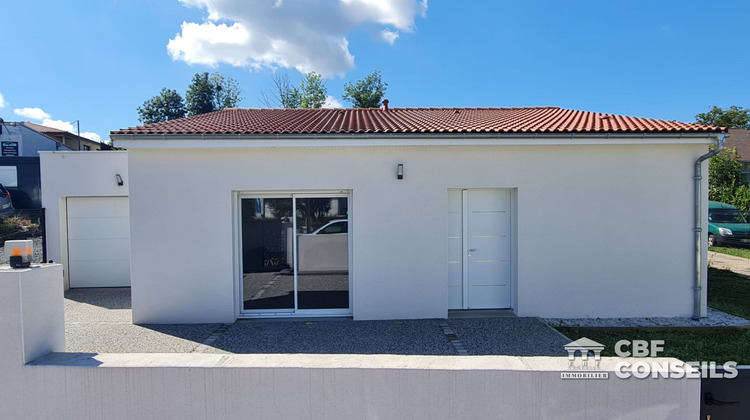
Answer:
(385, 104)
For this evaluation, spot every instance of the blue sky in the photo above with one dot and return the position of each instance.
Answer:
(97, 61)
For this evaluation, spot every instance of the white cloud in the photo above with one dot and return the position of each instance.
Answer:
(59, 124)
(389, 36)
(308, 35)
(31, 113)
(91, 136)
(332, 102)
(2, 101)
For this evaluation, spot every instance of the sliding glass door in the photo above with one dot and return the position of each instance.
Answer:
(295, 254)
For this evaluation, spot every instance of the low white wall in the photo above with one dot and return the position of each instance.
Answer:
(78, 386)
(77, 174)
(189, 386)
(602, 230)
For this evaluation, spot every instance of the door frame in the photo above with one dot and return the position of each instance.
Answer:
(240, 311)
(465, 246)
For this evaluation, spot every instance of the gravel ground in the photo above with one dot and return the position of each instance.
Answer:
(335, 336)
(37, 258)
(715, 318)
(99, 321)
(509, 336)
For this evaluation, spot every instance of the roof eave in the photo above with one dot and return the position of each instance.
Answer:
(149, 141)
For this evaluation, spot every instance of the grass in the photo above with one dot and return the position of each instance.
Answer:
(737, 252)
(688, 345)
(727, 291)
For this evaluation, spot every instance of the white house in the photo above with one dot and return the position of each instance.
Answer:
(546, 211)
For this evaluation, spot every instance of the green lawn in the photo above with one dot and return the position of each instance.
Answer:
(697, 345)
(737, 252)
(727, 291)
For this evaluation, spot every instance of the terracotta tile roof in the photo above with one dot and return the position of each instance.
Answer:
(739, 139)
(411, 120)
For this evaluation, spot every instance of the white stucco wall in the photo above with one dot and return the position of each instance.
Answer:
(76, 174)
(39, 382)
(602, 230)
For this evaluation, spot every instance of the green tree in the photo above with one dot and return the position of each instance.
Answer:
(200, 95)
(282, 94)
(725, 181)
(312, 91)
(208, 93)
(366, 93)
(167, 105)
(734, 117)
(227, 92)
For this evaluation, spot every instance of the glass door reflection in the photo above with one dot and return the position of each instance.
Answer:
(322, 233)
(267, 253)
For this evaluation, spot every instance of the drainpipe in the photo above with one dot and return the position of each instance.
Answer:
(698, 286)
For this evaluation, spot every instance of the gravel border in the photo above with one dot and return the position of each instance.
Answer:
(715, 318)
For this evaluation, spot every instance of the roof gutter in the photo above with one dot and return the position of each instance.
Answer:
(699, 242)
(215, 141)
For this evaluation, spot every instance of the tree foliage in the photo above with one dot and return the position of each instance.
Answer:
(311, 92)
(227, 92)
(205, 93)
(200, 95)
(366, 93)
(734, 117)
(282, 94)
(725, 181)
(167, 105)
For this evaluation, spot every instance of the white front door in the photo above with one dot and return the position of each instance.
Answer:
(479, 248)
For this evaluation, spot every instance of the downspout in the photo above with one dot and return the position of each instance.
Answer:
(698, 286)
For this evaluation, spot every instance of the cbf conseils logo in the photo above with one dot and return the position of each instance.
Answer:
(583, 349)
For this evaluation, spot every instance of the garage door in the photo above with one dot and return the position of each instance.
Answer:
(98, 242)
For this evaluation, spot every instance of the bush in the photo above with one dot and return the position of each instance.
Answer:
(18, 227)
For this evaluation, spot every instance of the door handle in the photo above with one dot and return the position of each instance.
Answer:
(472, 249)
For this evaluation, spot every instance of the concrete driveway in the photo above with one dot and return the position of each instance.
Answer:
(99, 321)
(738, 265)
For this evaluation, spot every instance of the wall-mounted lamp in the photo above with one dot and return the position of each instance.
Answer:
(400, 171)
(119, 180)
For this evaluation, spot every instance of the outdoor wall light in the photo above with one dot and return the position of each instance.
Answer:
(400, 171)
(119, 180)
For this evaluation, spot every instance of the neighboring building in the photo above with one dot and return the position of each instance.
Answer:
(546, 211)
(20, 145)
(740, 140)
(19, 162)
(18, 139)
(70, 140)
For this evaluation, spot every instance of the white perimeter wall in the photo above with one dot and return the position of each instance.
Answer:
(603, 231)
(38, 384)
(76, 174)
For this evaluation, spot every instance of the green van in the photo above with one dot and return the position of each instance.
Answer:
(726, 225)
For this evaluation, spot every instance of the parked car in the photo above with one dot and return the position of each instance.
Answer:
(335, 226)
(6, 205)
(726, 225)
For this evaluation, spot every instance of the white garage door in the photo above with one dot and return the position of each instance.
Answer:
(98, 242)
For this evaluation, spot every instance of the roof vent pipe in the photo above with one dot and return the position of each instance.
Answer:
(698, 285)
(385, 104)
